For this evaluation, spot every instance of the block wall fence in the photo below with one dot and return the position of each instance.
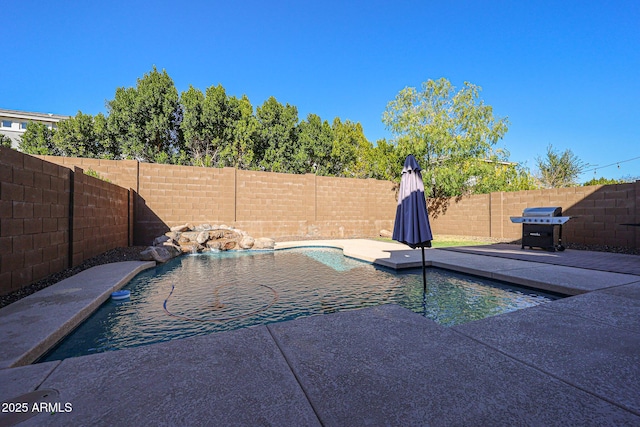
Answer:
(265, 204)
(143, 200)
(600, 213)
(52, 217)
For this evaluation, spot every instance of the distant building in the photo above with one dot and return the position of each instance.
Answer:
(14, 123)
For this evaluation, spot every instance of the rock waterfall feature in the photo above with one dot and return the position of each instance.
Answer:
(187, 238)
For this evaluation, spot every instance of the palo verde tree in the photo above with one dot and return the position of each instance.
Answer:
(447, 131)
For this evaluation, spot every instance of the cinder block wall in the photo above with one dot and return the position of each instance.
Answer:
(120, 172)
(34, 219)
(599, 214)
(470, 216)
(268, 204)
(170, 195)
(100, 216)
(35, 201)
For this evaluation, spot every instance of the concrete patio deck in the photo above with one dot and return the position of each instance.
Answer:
(574, 361)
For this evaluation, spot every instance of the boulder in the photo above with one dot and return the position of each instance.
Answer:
(227, 245)
(224, 234)
(158, 241)
(247, 242)
(173, 249)
(214, 245)
(180, 228)
(191, 247)
(173, 235)
(202, 237)
(385, 233)
(156, 253)
(190, 235)
(264, 243)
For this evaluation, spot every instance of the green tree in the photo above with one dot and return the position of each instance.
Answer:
(75, 137)
(244, 126)
(444, 129)
(603, 181)
(384, 161)
(38, 139)
(349, 150)
(497, 174)
(5, 141)
(145, 120)
(276, 137)
(197, 134)
(108, 147)
(316, 143)
(218, 130)
(558, 170)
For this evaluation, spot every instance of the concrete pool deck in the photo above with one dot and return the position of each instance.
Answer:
(574, 361)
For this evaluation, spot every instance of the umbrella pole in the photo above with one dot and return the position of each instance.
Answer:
(424, 272)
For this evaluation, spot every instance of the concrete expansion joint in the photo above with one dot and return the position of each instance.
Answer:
(306, 394)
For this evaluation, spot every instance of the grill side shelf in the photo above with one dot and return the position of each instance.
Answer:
(557, 220)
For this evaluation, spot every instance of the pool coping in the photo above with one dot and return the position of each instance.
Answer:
(561, 279)
(34, 324)
(302, 383)
(77, 297)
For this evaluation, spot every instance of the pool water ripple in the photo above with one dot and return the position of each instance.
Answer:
(215, 292)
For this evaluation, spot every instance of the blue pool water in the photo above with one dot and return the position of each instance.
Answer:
(215, 292)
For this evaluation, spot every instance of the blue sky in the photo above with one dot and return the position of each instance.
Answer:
(565, 73)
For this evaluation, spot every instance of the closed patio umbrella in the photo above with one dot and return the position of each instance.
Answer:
(412, 226)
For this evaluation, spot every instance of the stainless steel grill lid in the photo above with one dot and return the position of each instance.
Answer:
(542, 211)
(541, 215)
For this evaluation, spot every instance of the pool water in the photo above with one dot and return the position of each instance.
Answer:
(223, 291)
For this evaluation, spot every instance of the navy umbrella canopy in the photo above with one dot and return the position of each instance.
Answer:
(412, 226)
(412, 220)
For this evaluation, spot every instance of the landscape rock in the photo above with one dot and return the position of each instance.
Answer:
(174, 249)
(191, 247)
(214, 245)
(190, 235)
(206, 237)
(247, 242)
(264, 243)
(202, 237)
(158, 241)
(156, 253)
(227, 245)
(385, 233)
(173, 235)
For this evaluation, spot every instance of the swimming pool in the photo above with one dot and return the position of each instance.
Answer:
(215, 292)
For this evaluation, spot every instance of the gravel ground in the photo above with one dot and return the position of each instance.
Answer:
(133, 254)
(114, 255)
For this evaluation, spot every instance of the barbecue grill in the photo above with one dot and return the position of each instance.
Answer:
(542, 227)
